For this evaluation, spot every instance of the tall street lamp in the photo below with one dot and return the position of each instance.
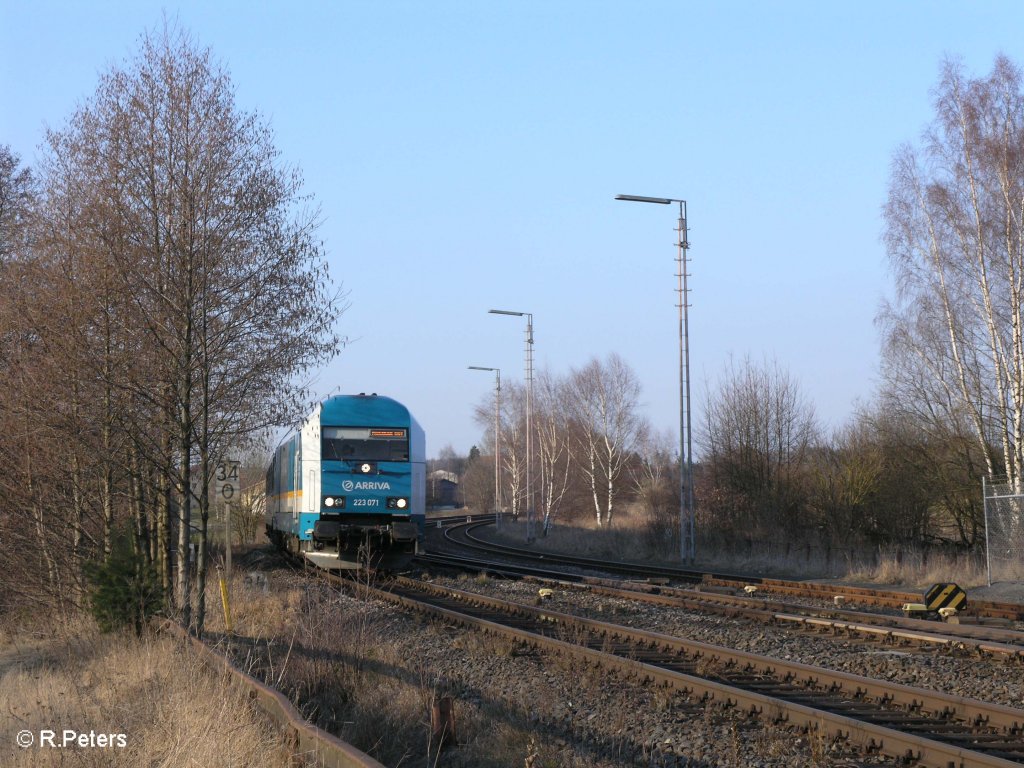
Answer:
(529, 412)
(497, 440)
(687, 523)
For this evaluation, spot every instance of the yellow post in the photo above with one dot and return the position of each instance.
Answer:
(224, 599)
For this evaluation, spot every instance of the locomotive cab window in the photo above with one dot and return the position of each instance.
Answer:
(365, 444)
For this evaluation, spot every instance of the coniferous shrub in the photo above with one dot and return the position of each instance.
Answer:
(124, 589)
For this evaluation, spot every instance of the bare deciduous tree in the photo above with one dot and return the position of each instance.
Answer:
(845, 480)
(513, 444)
(249, 514)
(180, 292)
(604, 400)
(16, 197)
(757, 436)
(955, 237)
(550, 419)
(656, 480)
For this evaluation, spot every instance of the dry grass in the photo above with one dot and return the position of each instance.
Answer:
(916, 570)
(628, 538)
(170, 708)
(352, 668)
(359, 672)
(632, 538)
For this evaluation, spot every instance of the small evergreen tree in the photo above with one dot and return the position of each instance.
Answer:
(125, 590)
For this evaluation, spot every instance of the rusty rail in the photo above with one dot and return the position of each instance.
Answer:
(301, 736)
(997, 641)
(876, 715)
(463, 536)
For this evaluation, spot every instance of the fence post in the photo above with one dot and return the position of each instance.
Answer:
(988, 551)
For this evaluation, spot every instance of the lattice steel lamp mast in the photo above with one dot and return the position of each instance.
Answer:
(529, 412)
(497, 440)
(687, 523)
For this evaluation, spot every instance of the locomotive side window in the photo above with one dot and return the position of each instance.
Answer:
(365, 444)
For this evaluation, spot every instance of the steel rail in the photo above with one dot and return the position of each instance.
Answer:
(1006, 643)
(607, 566)
(892, 599)
(301, 736)
(796, 693)
(887, 598)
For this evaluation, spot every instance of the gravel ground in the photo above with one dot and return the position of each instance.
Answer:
(595, 717)
(934, 669)
(563, 713)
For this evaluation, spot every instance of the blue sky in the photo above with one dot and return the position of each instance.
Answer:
(466, 156)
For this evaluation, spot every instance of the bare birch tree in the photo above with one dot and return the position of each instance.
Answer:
(603, 399)
(551, 425)
(955, 238)
(512, 424)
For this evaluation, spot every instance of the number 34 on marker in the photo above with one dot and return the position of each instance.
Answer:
(225, 480)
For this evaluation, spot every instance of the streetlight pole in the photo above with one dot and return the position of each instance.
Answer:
(687, 523)
(529, 412)
(497, 440)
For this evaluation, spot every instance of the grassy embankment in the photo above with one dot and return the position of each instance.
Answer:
(352, 668)
(632, 538)
(170, 709)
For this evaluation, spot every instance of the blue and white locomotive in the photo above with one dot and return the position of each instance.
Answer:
(348, 488)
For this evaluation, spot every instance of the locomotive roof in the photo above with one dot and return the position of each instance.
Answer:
(364, 411)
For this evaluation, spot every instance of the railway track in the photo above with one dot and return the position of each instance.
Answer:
(924, 727)
(463, 535)
(909, 724)
(313, 744)
(870, 627)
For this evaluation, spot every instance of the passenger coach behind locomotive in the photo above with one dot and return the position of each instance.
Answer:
(350, 485)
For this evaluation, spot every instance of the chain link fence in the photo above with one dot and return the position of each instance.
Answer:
(1004, 531)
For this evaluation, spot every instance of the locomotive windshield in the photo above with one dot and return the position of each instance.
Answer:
(365, 444)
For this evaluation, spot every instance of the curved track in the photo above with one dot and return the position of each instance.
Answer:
(463, 534)
(911, 724)
(996, 641)
(929, 728)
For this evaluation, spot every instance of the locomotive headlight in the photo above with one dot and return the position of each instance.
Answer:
(334, 502)
(366, 468)
(402, 503)
(397, 502)
(329, 502)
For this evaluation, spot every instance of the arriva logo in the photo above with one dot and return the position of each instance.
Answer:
(365, 485)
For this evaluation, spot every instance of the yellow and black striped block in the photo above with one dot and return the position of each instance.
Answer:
(945, 596)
